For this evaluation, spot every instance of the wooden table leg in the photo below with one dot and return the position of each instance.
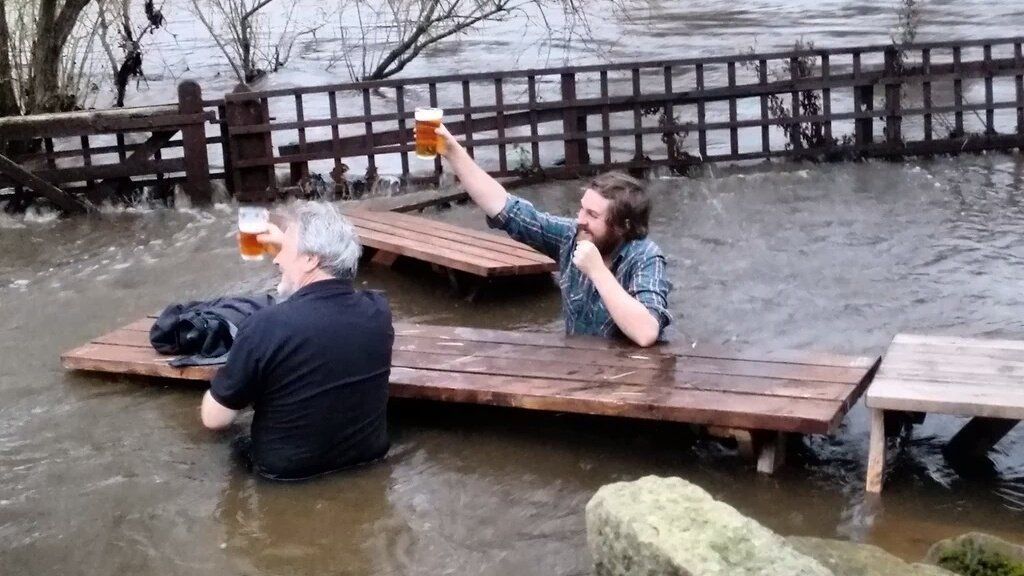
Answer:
(771, 454)
(979, 435)
(382, 258)
(876, 452)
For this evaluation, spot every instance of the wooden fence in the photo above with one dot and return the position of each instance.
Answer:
(846, 103)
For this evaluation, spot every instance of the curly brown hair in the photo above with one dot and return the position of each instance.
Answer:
(630, 207)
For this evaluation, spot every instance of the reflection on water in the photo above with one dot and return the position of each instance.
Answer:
(108, 475)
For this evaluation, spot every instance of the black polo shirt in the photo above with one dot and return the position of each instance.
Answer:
(315, 369)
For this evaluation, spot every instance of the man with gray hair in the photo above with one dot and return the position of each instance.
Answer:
(314, 367)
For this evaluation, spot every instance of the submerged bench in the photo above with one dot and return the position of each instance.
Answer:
(481, 254)
(756, 399)
(979, 378)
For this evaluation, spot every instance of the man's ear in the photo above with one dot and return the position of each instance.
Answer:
(312, 262)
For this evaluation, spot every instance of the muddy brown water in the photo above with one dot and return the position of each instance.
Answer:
(103, 474)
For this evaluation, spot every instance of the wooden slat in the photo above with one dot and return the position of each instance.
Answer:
(369, 230)
(490, 237)
(131, 360)
(695, 406)
(370, 226)
(926, 93)
(992, 401)
(619, 375)
(448, 258)
(490, 241)
(654, 365)
(959, 341)
(594, 343)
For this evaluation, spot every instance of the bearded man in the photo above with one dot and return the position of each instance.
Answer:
(612, 277)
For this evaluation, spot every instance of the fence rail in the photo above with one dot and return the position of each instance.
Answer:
(843, 103)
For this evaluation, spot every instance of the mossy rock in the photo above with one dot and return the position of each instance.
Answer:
(977, 554)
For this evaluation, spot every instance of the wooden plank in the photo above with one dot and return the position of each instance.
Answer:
(448, 258)
(131, 360)
(432, 90)
(490, 237)
(638, 140)
(606, 143)
(595, 343)
(993, 401)
(959, 341)
(753, 387)
(734, 141)
(499, 117)
(956, 354)
(193, 136)
(411, 201)
(494, 243)
(371, 161)
(43, 188)
(940, 379)
(926, 94)
(94, 122)
(693, 406)
(651, 365)
(400, 109)
(370, 228)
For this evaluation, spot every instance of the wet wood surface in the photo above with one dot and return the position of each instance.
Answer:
(483, 254)
(782, 391)
(978, 378)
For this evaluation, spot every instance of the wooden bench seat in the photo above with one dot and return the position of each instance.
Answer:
(978, 378)
(756, 399)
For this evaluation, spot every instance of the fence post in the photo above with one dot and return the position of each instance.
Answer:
(572, 122)
(893, 99)
(193, 142)
(252, 183)
(865, 102)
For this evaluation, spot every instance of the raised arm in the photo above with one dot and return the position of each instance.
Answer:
(485, 191)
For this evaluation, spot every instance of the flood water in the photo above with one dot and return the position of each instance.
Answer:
(112, 475)
(107, 475)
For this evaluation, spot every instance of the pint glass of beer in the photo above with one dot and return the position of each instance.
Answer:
(252, 221)
(427, 119)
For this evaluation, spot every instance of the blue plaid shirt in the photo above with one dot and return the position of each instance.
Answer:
(638, 265)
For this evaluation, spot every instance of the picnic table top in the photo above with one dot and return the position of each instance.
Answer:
(951, 375)
(485, 254)
(782, 391)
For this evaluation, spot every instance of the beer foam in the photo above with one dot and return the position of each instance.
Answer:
(429, 114)
(250, 227)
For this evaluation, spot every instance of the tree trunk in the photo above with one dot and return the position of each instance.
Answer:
(8, 100)
(52, 32)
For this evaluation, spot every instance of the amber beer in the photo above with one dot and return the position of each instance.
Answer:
(252, 221)
(427, 119)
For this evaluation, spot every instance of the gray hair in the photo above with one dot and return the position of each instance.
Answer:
(325, 233)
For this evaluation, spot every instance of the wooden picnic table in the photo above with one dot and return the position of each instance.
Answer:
(758, 399)
(979, 378)
(480, 254)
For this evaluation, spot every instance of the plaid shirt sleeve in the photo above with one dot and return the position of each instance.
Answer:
(537, 229)
(650, 285)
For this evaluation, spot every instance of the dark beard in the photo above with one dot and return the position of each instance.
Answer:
(605, 245)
